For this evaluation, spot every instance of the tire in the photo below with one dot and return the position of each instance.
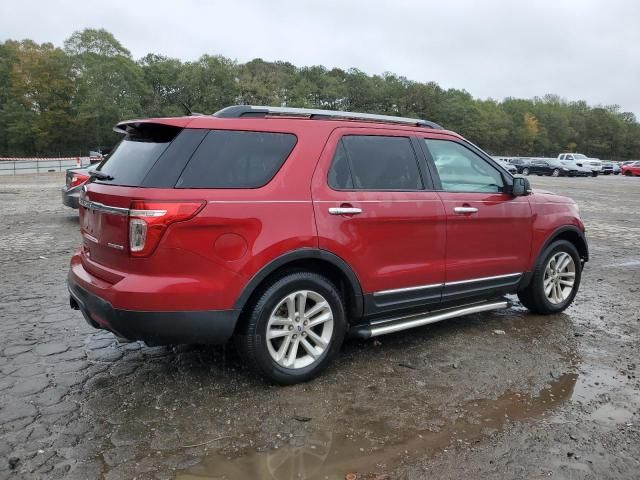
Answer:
(555, 173)
(533, 296)
(261, 353)
(594, 174)
(628, 174)
(525, 171)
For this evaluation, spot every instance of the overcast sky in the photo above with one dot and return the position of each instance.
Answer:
(580, 49)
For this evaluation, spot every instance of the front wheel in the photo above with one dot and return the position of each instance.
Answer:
(525, 171)
(294, 329)
(627, 173)
(594, 174)
(555, 279)
(555, 173)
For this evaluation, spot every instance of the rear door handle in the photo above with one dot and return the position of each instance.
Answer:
(345, 211)
(463, 210)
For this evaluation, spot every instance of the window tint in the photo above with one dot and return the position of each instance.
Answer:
(461, 170)
(137, 153)
(236, 159)
(366, 162)
(340, 173)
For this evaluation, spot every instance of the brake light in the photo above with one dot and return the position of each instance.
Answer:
(149, 220)
(77, 179)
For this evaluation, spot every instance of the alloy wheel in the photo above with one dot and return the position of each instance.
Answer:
(559, 277)
(299, 329)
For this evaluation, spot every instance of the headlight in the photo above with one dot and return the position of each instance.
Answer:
(565, 169)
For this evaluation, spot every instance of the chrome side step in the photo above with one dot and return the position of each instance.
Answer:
(391, 325)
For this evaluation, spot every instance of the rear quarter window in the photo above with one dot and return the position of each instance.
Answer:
(236, 159)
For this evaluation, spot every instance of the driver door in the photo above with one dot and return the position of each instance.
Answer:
(488, 230)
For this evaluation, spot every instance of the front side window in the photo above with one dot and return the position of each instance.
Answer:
(371, 162)
(236, 159)
(461, 170)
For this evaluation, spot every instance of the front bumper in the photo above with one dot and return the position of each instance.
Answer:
(213, 327)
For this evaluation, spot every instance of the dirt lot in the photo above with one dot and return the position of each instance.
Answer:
(554, 396)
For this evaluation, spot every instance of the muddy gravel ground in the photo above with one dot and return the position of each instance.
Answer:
(496, 395)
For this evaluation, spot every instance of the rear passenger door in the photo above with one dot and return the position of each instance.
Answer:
(376, 209)
(488, 229)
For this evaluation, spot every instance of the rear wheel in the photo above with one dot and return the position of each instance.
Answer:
(525, 171)
(555, 173)
(555, 280)
(294, 329)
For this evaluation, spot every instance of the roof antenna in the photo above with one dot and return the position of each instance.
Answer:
(189, 112)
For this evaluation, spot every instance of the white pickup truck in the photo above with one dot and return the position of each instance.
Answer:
(593, 164)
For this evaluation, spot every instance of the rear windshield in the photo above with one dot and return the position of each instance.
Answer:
(136, 154)
(236, 159)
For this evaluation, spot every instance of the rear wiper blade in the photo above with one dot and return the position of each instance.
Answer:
(99, 175)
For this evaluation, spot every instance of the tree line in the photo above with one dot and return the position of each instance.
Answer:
(66, 100)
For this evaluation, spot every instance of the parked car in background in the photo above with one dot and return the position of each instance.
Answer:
(520, 163)
(575, 169)
(610, 168)
(594, 164)
(631, 169)
(75, 178)
(551, 167)
(512, 169)
(289, 229)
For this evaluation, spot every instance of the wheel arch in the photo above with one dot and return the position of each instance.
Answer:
(570, 233)
(308, 259)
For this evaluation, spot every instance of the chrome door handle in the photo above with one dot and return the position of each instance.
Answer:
(461, 210)
(344, 211)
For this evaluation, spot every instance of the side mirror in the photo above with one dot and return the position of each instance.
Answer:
(520, 187)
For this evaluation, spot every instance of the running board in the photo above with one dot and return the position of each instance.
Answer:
(392, 325)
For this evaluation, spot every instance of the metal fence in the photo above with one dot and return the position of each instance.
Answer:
(15, 166)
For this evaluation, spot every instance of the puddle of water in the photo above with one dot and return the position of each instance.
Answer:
(597, 381)
(322, 455)
(633, 263)
(611, 414)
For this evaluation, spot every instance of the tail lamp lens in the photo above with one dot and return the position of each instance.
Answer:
(149, 220)
(77, 179)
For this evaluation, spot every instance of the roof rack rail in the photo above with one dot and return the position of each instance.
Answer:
(248, 111)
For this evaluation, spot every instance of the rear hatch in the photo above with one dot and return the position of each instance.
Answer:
(132, 190)
(161, 174)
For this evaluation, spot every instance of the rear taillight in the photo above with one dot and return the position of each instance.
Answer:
(149, 220)
(76, 179)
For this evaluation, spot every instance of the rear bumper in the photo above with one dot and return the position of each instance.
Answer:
(70, 197)
(212, 327)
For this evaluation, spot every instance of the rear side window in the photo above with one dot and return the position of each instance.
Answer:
(137, 153)
(371, 162)
(236, 159)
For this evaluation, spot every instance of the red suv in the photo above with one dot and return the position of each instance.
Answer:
(291, 228)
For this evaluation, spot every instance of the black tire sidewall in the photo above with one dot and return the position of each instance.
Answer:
(555, 247)
(260, 318)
